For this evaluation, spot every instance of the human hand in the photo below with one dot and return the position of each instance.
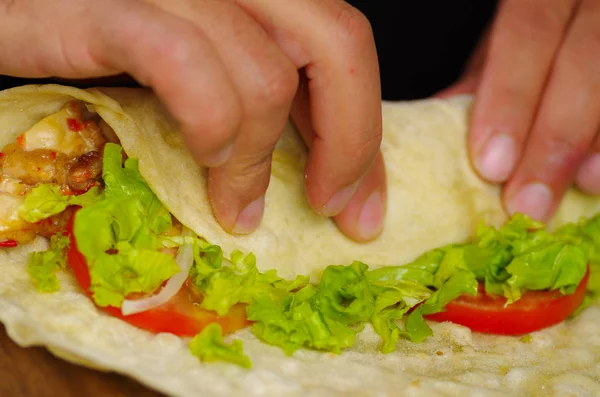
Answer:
(536, 116)
(228, 71)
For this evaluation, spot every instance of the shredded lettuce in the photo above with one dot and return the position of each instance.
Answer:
(519, 256)
(316, 317)
(209, 346)
(587, 234)
(46, 200)
(119, 235)
(42, 266)
(522, 255)
(240, 282)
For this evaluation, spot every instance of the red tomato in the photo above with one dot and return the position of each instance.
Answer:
(179, 316)
(8, 244)
(534, 311)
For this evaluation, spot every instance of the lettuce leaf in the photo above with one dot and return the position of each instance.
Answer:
(42, 266)
(130, 271)
(294, 322)
(587, 234)
(345, 294)
(241, 282)
(209, 346)
(292, 314)
(126, 224)
(46, 200)
(519, 256)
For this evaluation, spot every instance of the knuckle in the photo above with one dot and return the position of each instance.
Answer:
(216, 124)
(277, 87)
(250, 173)
(223, 119)
(564, 146)
(175, 51)
(366, 145)
(352, 27)
(166, 56)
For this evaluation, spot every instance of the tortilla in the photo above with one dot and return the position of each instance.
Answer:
(434, 198)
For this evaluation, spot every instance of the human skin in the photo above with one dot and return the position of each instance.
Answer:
(230, 72)
(536, 116)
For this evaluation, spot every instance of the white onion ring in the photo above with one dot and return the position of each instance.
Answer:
(184, 259)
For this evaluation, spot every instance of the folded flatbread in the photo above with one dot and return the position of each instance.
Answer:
(435, 198)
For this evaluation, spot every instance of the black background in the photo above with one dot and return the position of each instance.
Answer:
(423, 45)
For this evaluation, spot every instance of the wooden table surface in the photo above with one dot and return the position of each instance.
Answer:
(34, 372)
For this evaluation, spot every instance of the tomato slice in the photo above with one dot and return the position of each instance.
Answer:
(179, 316)
(534, 311)
(8, 244)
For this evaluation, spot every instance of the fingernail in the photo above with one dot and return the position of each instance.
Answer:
(220, 158)
(534, 200)
(588, 176)
(250, 217)
(338, 201)
(497, 159)
(370, 220)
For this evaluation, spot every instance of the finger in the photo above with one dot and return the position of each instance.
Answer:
(566, 124)
(179, 62)
(466, 85)
(522, 45)
(266, 82)
(362, 218)
(57, 46)
(588, 175)
(338, 53)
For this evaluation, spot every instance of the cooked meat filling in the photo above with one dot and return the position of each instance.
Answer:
(65, 149)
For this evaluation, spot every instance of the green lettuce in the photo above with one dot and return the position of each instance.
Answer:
(587, 234)
(326, 317)
(119, 233)
(42, 266)
(519, 256)
(46, 200)
(294, 322)
(119, 236)
(440, 277)
(209, 346)
(240, 282)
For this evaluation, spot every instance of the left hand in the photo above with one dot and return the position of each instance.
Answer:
(536, 117)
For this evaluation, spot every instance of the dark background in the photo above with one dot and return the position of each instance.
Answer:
(422, 45)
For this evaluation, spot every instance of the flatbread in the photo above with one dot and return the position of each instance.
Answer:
(434, 199)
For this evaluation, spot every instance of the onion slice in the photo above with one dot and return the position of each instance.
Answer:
(184, 259)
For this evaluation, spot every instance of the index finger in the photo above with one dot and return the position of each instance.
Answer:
(338, 53)
(177, 60)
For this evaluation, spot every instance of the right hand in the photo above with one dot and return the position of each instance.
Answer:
(228, 71)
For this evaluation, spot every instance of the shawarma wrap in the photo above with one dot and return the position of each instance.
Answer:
(435, 199)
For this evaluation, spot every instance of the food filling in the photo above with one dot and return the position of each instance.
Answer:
(63, 150)
(47, 174)
(68, 179)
